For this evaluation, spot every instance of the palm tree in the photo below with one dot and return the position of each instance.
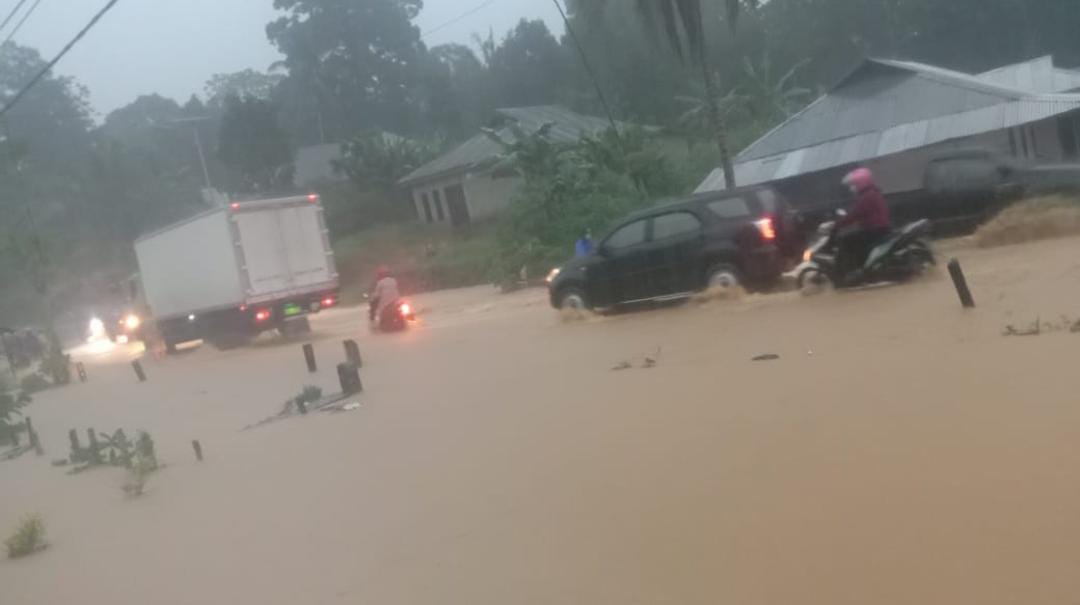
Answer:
(682, 23)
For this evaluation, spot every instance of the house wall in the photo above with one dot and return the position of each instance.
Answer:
(435, 202)
(487, 196)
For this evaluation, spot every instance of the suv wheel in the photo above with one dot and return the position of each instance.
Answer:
(572, 298)
(722, 276)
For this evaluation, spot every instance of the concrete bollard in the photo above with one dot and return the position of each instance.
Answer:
(352, 353)
(139, 370)
(349, 376)
(73, 436)
(309, 357)
(195, 445)
(81, 370)
(960, 282)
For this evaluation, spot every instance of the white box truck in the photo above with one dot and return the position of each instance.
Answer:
(230, 273)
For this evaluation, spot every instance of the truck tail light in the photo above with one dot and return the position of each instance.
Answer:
(263, 315)
(328, 301)
(767, 228)
(314, 197)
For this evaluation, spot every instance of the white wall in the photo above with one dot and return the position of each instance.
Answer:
(429, 189)
(487, 196)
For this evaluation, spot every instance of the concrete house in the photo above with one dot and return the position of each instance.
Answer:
(893, 116)
(463, 187)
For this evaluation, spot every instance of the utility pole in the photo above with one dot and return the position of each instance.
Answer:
(198, 145)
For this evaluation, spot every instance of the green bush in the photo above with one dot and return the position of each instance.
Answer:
(28, 538)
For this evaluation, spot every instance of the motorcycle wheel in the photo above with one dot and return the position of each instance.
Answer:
(812, 282)
(920, 258)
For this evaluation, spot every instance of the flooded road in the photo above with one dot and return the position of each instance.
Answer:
(899, 450)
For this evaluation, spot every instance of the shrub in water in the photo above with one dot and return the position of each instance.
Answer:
(29, 537)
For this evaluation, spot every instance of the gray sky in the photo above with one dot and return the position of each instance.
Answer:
(173, 46)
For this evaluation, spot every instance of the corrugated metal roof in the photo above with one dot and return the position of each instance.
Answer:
(866, 146)
(480, 152)
(886, 107)
(1037, 75)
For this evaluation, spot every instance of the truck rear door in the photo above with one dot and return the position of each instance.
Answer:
(284, 249)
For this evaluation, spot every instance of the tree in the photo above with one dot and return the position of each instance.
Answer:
(246, 83)
(254, 147)
(529, 67)
(683, 24)
(357, 59)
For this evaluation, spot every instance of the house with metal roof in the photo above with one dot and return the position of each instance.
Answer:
(894, 116)
(464, 185)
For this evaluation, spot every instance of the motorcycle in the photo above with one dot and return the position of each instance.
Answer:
(396, 317)
(904, 255)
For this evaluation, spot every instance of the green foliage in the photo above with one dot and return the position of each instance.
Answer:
(143, 463)
(28, 537)
(309, 394)
(9, 406)
(34, 383)
(242, 84)
(570, 189)
(254, 147)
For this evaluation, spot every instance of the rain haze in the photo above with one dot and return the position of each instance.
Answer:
(172, 47)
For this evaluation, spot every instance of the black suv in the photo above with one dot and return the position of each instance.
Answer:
(727, 238)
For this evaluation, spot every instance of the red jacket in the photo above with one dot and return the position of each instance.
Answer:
(870, 211)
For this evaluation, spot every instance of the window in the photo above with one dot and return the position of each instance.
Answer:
(733, 207)
(427, 207)
(674, 225)
(630, 235)
(438, 205)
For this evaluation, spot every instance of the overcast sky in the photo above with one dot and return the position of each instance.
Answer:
(173, 46)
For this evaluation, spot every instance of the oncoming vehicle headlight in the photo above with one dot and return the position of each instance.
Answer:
(132, 322)
(97, 328)
(554, 273)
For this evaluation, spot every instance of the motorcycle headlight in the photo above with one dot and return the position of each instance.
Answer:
(553, 274)
(809, 254)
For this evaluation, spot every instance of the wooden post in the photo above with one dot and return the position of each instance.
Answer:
(309, 357)
(35, 442)
(960, 282)
(349, 376)
(352, 353)
(81, 369)
(195, 445)
(73, 436)
(139, 370)
(95, 452)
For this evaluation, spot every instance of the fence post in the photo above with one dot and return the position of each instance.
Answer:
(195, 445)
(960, 282)
(139, 370)
(349, 376)
(309, 357)
(352, 353)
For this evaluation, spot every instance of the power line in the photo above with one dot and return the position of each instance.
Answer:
(75, 40)
(464, 15)
(18, 26)
(11, 15)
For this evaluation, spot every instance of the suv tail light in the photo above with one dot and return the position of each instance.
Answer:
(767, 228)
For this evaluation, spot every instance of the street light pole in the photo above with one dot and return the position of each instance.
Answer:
(202, 158)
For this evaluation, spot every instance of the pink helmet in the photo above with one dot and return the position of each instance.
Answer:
(860, 179)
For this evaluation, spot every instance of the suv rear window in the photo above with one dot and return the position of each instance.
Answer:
(769, 201)
(674, 225)
(732, 207)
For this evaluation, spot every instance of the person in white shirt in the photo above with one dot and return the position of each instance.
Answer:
(383, 294)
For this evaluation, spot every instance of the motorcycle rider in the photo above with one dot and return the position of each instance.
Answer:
(383, 294)
(869, 217)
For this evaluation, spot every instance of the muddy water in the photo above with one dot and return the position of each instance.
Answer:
(900, 450)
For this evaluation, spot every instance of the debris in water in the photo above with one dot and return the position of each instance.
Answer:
(350, 407)
(769, 357)
(624, 365)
